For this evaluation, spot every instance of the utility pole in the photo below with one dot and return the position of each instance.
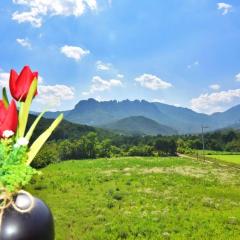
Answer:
(203, 142)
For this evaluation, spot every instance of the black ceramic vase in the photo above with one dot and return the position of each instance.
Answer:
(35, 224)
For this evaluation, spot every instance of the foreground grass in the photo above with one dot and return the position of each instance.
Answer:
(141, 198)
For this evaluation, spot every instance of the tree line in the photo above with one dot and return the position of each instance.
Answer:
(225, 140)
(91, 146)
(97, 144)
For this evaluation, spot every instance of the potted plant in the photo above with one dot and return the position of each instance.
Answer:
(22, 216)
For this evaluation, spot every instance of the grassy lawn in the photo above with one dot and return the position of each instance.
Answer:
(227, 158)
(141, 198)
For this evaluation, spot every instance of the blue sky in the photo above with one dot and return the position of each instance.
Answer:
(181, 52)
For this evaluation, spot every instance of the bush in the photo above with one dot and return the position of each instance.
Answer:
(116, 151)
(48, 154)
(141, 151)
(233, 146)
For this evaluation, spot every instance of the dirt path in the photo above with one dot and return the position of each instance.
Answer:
(194, 158)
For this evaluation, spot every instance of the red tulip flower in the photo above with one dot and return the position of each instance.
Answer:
(8, 117)
(20, 84)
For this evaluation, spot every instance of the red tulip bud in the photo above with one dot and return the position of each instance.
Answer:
(8, 117)
(20, 84)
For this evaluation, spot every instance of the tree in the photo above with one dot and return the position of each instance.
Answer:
(104, 148)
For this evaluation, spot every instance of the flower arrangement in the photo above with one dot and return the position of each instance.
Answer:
(15, 153)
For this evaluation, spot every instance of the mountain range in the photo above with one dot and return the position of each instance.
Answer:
(145, 117)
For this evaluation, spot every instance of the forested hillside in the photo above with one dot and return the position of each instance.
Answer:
(139, 125)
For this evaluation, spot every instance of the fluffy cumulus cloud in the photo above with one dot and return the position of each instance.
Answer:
(225, 7)
(152, 82)
(238, 77)
(74, 52)
(103, 66)
(215, 87)
(4, 78)
(214, 102)
(37, 9)
(52, 95)
(99, 85)
(24, 42)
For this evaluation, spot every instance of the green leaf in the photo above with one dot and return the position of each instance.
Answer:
(4, 97)
(25, 108)
(36, 146)
(20, 116)
(32, 128)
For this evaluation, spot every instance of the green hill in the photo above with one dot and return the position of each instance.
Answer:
(139, 125)
(66, 129)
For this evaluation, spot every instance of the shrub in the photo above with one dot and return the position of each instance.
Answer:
(48, 154)
(143, 150)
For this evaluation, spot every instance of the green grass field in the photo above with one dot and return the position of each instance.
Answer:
(141, 198)
(227, 158)
(211, 152)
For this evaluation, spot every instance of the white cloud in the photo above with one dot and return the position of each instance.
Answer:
(40, 80)
(52, 95)
(176, 105)
(103, 66)
(195, 64)
(156, 100)
(213, 102)
(226, 8)
(237, 77)
(31, 16)
(99, 85)
(74, 52)
(24, 42)
(120, 75)
(37, 9)
(152, 82)
(4, 78)
(215, 87)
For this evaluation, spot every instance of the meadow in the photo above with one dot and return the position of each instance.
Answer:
(141, 198)
(220, 156)
(229, 157)
(211, 152)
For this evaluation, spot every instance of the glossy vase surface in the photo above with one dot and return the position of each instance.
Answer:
(35, 224)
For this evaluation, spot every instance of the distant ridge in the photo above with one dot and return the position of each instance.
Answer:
(139, 125)
(94, 113)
